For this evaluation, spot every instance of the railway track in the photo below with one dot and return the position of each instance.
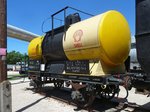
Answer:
(99, 105)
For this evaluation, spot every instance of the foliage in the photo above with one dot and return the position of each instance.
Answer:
(13, 57)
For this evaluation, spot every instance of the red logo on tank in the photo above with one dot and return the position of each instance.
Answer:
(77, 38)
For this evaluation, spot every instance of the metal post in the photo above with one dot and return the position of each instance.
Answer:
(3, 36)
(52, 26)
(5, 86)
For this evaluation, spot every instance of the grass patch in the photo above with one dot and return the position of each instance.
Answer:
(16, 76)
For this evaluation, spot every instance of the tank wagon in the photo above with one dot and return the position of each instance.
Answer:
(89, 55)
(142, 81)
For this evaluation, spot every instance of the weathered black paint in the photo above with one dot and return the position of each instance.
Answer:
(79, 67)
(142, 17)
(143, 33)
(52, 47)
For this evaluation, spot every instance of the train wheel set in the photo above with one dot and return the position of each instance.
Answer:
(83, 93)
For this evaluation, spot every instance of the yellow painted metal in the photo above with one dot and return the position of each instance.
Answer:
(102, 69)
(105, 37)
(34, 48)
(114, 37)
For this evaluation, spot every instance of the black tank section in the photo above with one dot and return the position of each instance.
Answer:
(143, 34)
(52, 46)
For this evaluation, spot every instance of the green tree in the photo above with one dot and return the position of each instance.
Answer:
(13, 57)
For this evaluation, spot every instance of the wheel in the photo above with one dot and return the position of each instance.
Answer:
(128, 83)
(109, 92)
(83, 98)
(58, 83)
(37, 85)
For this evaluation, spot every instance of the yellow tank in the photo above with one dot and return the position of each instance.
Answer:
(105, 37)
(34, 48)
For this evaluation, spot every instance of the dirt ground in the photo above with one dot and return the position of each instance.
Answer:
(25, 100)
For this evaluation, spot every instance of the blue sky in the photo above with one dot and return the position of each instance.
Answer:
(29, 14)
